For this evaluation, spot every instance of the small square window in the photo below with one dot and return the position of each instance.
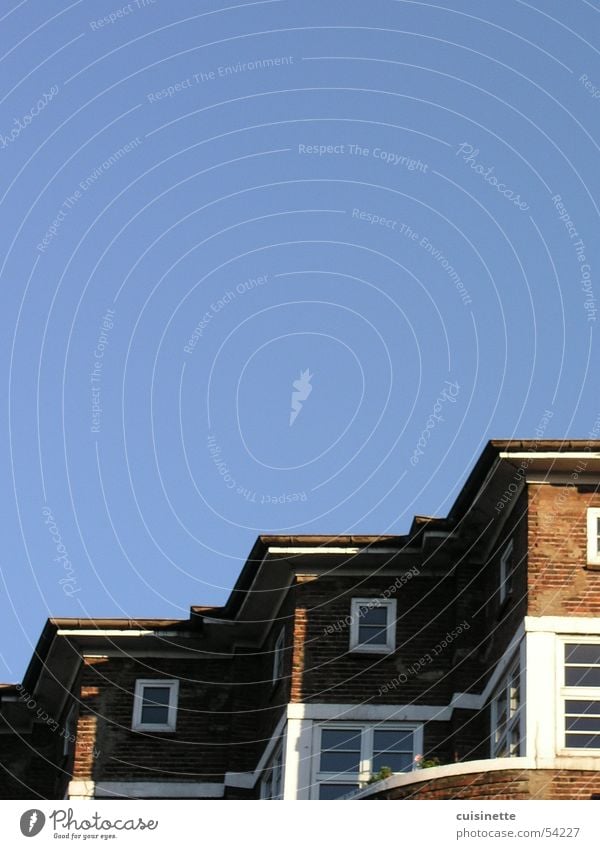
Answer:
(373, 625)
(155, 704)
(593, 536)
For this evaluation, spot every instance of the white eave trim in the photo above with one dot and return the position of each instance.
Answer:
(275, 549)
(115, 632)
(159, 789)
(563, 624)
(549, 455)
(366, 713)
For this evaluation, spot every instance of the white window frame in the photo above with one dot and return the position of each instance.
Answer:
(573, 693)
(138, 700)
(506, 572)
(593, 549)
(274, 772)
(390, 644)
(517, 720)
(278, 656)
(367, 731)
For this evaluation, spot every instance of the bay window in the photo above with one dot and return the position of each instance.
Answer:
(581, 694)
(506, 715)
(349, 754)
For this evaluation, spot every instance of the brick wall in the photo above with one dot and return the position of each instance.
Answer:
(227, 711)
(200, 748)
(559, 582)
(501, 784)
(331, 673)
(501, 619)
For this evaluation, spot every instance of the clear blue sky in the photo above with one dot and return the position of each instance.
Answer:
(392, 204)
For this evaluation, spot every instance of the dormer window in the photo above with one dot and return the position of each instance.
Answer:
(593, 536)
(373, 625)
(155, 704)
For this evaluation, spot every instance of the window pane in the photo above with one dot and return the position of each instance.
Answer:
(369, 636)
(394, 741)
(582, 676)
(582, 653)
(156, 695)
(372, 615)
(515, 742)
(583, 741)
(502, 748)
(335, 791)
(155, 714)
(338, 762)
(339, 738)
(397, 761)
(582, 706)
(515, 697)
(501, 709)
(583, 723)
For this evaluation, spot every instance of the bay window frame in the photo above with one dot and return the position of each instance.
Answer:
(367, 731)
(572, 693)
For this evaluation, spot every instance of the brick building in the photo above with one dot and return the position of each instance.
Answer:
(470, 645)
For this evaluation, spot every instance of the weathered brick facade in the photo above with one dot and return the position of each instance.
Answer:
(559, 582)
(498, 785)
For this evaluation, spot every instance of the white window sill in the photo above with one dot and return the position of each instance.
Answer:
(578, 753)
(372, 650)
